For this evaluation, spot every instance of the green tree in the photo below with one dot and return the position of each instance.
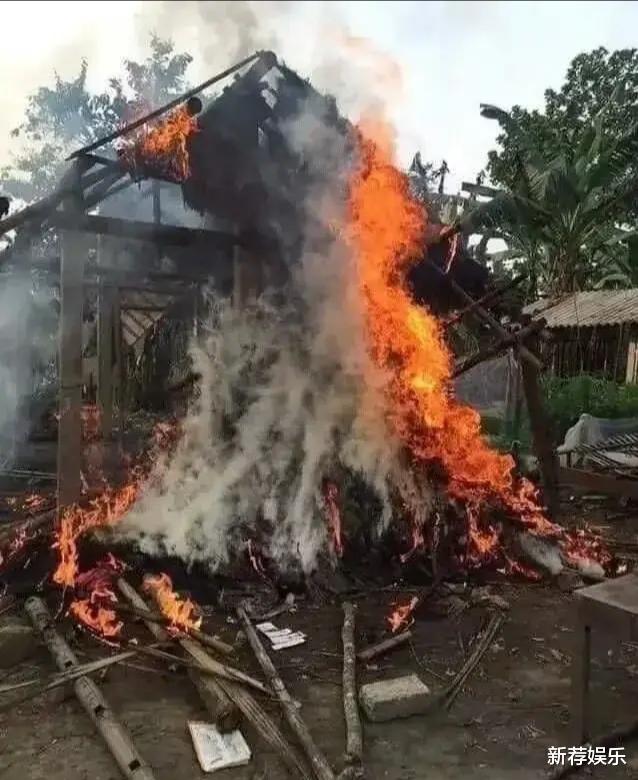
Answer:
(590, 80)
(564, 214)
(60, 118)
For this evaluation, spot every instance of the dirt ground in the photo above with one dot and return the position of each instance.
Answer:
(514, 707)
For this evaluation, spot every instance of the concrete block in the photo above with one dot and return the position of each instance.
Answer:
(17, 642)
(397, 698)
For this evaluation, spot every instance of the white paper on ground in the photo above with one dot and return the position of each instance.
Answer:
(281, 638)
(292, 641)
(218, 751)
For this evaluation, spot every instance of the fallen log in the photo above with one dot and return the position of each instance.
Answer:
(320, 765)
(155, 617)
(354, 736)
(224, 712)
(383, 647)
(117, 739)
(250, 709)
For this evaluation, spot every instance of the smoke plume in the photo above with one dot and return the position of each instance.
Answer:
(288, 394)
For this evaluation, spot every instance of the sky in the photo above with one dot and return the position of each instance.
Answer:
(429, 63)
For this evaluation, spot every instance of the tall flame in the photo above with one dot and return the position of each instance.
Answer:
(386, 230)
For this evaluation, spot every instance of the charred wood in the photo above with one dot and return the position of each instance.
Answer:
(514, 338)
(167, 235)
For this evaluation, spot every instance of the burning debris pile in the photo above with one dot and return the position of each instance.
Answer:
(347, 377)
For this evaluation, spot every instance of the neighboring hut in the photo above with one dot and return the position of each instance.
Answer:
(592, 332)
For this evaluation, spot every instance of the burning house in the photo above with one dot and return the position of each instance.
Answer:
(305, 287)
(320, 360)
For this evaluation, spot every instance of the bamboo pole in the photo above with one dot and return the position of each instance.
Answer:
(117, 739)
(320, 765)
(225, 713)
(354, 736)
(250, 709)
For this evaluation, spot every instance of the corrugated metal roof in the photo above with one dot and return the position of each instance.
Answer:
(587, 309)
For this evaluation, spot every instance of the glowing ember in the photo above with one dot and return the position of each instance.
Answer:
(333, 514)
(162, 146)
(93, 610)
(183, 613)
(401, 616)
(386, 230)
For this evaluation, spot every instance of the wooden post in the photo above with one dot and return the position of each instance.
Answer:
(72, 258)
(631, 375)
(541, 430)
(105, 341)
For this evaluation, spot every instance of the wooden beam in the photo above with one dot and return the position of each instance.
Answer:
(516, 337)
(488, 318)
(486, 300)
(37, 211)
(73, 256)
(168, 235)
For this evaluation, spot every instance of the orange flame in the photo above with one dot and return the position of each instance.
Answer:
(386, 229)
(104, 510)
(93, 611)
(401, 616)
(331, 505)
(163, 145)
(183, 613)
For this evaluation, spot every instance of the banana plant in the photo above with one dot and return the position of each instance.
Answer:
(562, 214)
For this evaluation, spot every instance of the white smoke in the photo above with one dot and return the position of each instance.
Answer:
(27, 348)
(288, 394)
